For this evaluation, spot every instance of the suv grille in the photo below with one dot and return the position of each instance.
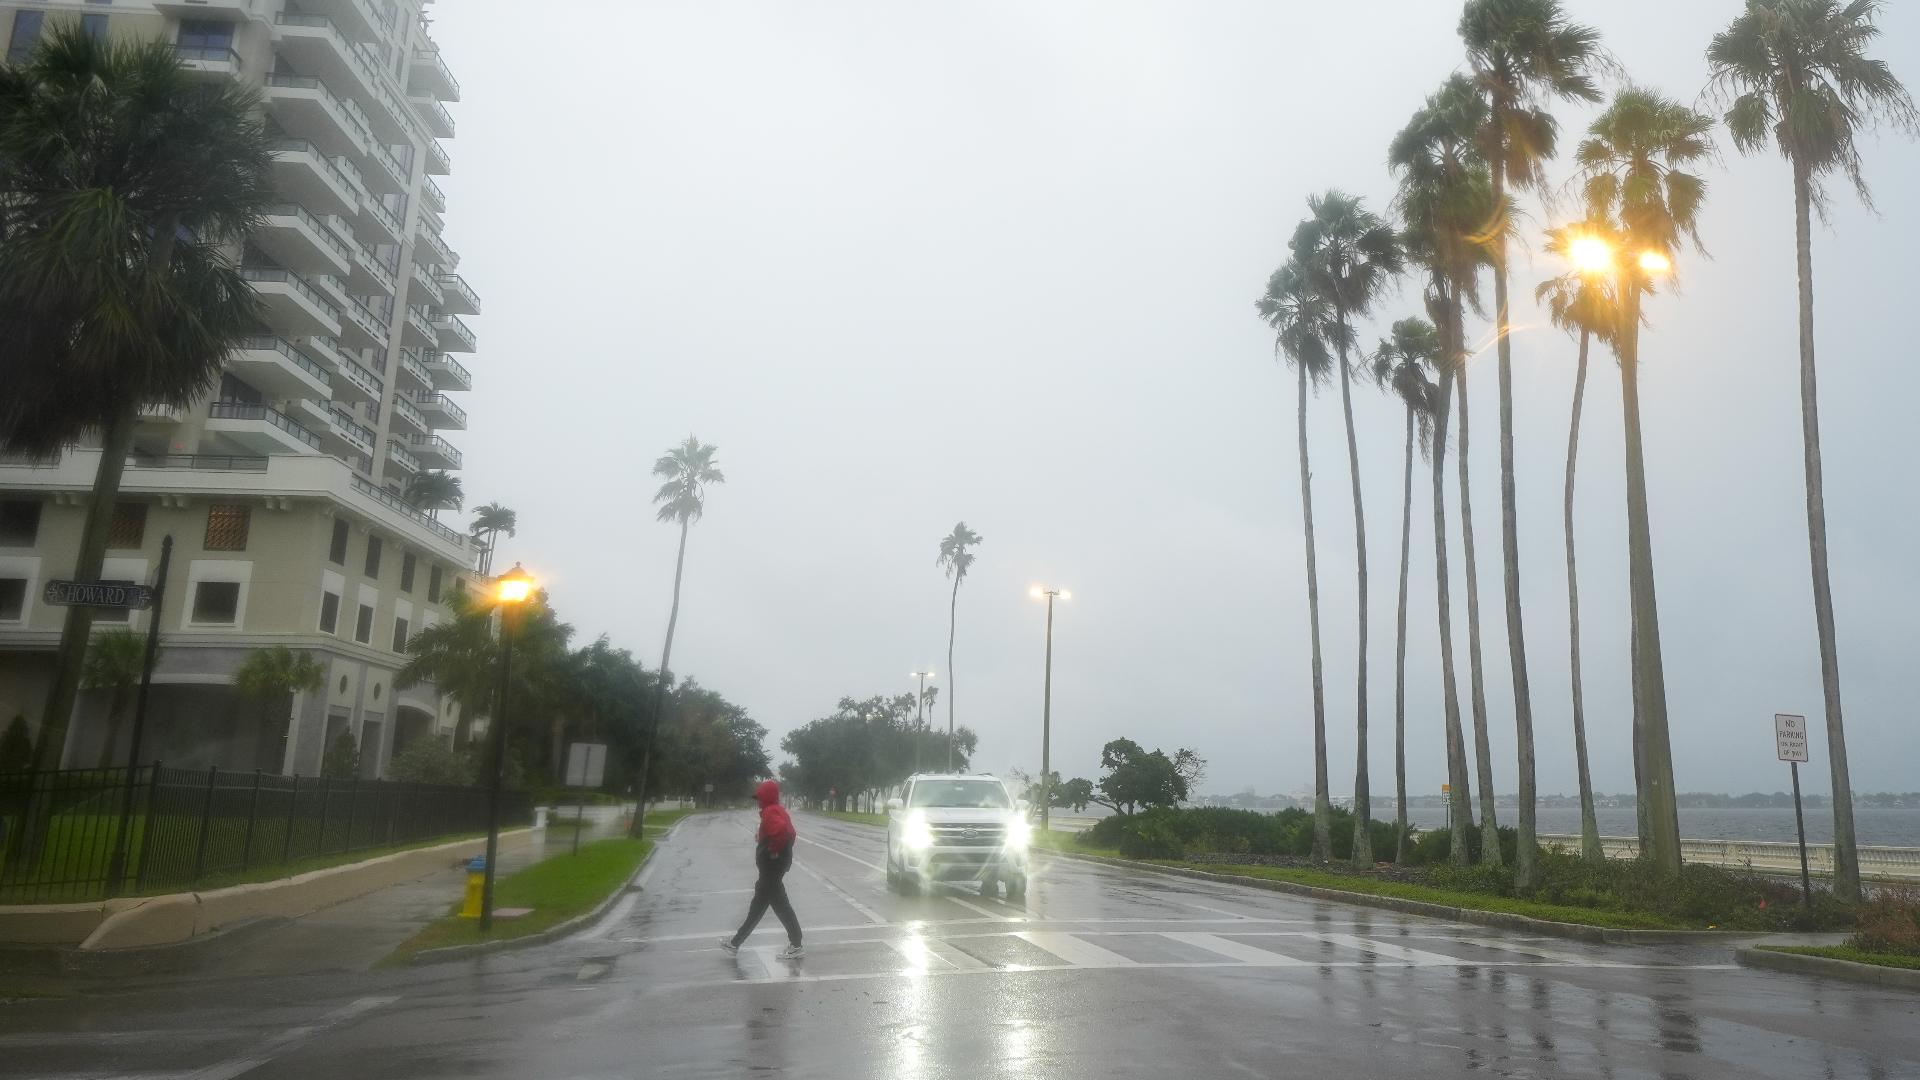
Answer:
(969, 834)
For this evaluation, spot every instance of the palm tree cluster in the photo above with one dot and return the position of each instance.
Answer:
(1794, 74)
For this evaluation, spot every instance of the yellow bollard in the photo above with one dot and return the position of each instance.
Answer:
(476, 884)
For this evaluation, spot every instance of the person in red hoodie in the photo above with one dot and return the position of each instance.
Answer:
(773, 856)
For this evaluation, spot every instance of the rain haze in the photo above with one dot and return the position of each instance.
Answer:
(908, 265)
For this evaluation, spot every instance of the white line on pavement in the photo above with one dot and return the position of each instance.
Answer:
(843, 854)
(288, 1039)
(977, 909)
(1412, 957)
(1246, 954)
(1074, 950)
(872, 915)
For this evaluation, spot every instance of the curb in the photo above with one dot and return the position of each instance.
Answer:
(551, 933)
(1499, 920)
(1828, 967)
(177, 959)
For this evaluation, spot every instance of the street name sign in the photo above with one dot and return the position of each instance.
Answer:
(100, 594)
(1790, 737)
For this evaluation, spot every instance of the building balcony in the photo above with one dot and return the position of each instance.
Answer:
(303, 172)
(429, 74)
(437, 120)
(292, 305)
(454, 334)
(334, 288)
(431, 194)
(280, 369)
(384, 223)
(402, 457)
(208, 61)
(354, 18)
(414, 375)
(258, 429)
(364, 328)
(352, 382)
(430, 250)
(440, 411)
(384, 173)
(428, 286)
(316, 46)
(300, 241)
(447, 372)
(419, 332)
(434, 451)
(438, 163)
(458, 297)
(369, 274)
(408, 420)
(305, 108)
(161, 415)
(211, 10)
(345, 432)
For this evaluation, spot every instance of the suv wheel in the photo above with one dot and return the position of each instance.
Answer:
(1017, 890)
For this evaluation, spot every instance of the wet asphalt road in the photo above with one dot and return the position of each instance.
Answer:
(1102, 974)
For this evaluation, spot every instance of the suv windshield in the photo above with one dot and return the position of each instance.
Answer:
(982, 794)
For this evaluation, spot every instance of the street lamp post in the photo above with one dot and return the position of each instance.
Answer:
(919, 714)
(511, 591)
(1046, 710)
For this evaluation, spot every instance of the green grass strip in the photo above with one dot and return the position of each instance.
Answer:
(1849, 953)
(856, 818)
(556, 888)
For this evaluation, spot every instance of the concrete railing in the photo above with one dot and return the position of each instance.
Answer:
(1770, 856)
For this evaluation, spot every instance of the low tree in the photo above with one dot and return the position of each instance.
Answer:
(1073, 795)
(431, 761)
(342, 759)
(270, 677)
(1136, 777)
(115, 661)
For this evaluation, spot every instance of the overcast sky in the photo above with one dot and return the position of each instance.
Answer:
(909, 264)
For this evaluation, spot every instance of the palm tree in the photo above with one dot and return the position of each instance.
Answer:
(490, 521)
(124, 182)
(434, 491)
(687, 471)
(1400, 366)
(271, 677)
(1798, 74)
(1350, 257)
(1445, 199)
(1583, 305)
(116, 659)
(956, 558)
(1304, 333)
(460, 658)
(1523, 54)
(1634, 162)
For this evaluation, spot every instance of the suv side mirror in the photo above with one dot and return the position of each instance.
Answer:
(894, 804)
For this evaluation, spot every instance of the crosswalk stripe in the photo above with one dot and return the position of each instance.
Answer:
(1527, 950)
(1074, 950)
(1235, 950)
(1387, 950)
(959, 958)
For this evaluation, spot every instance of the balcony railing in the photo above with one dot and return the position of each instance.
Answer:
(432, 57)
(348, 113)
(429, 400)
(365, 319)
(295, 282)
(434, 444)
(402, 458)
(351, 182)
(208, 462)
(459, 329)
(208, 54)
(438, 362)
(410, 362)
(456, 283)
(307, 218)
(234, 410)
(403, 407)
(436, 247)
(370, 261)
(291, 352)
(430, 192)
(344, 423)
(437, 158)
(395, 503)
(374, 385)
(385, 217)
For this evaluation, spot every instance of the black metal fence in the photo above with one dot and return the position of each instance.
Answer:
(59, 831)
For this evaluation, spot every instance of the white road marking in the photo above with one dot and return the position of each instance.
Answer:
(872, 915)
(777, 970)
(1528, 950)
(1385, 950)
(1203, 907)
(1074, 950)
(1246, 954)
(977, 909)
(843, 854)
(288, 1039)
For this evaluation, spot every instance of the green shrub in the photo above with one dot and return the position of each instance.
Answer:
(430, 761)
(16, 748)
(342, 758)
(1435, 846)
(1216, 829)
(1890, 922)
(1151, 839)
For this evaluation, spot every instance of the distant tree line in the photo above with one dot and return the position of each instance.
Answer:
(850, 758)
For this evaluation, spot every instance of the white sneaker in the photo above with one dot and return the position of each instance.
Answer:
(726, 944)
(791, 952)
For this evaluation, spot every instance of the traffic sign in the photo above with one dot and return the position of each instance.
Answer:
(100, 594)
(586, 764)
(1790, 737)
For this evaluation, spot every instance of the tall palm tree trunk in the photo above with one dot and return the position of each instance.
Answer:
(1657, 809)
(660, 690)
(1482, 751)
(1400, 658)
(1526, 870)
(953, 622)
(1322, 804)
(1362, 796)
(1846, 857)
(1459, 799)
(1589, 826)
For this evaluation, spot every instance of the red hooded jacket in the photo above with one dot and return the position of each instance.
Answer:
(776, 828)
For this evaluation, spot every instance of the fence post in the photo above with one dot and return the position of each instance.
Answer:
(353, 803)
(146, 829)
(253, 811)
(326, 796)
(293, 802)
(206, 818)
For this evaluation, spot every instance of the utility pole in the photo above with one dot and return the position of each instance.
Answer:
(1046, 712)
(919, 714)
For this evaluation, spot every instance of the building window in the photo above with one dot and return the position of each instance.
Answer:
(210, 34)
(26, 35)
(95, 26)
(407, 562)
(217, 602)
(337, 554)
(363, 629)
(329, 612)
(129, 526)
(433, 585)
(19, 522)
(227, 526)
(13, 599)
(399, 635)
(373, 558)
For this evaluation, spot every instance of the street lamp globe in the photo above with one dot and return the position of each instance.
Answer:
(514, 586)
(1655, 262)
(1591, 254)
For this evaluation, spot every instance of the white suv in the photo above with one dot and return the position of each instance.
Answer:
(957, 827)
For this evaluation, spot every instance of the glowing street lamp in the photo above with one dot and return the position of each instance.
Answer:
(1591, 254)
(511, 592)
(1046, 708)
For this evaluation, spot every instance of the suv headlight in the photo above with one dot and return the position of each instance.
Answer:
(916, 835)
(1018, 834)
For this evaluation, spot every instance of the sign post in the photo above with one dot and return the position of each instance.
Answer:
(586, 768)
(148, 598)
(1790, 745)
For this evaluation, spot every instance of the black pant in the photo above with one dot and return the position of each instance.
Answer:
(771, 892)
